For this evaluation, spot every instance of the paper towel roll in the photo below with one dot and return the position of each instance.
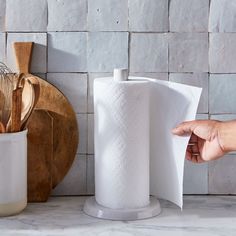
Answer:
(133, 122)
(121, 132)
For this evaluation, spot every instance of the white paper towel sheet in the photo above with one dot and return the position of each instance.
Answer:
(135, 151)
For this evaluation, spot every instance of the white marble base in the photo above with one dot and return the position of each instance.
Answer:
(202, 215)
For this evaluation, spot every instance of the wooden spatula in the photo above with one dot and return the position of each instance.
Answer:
(23, 54)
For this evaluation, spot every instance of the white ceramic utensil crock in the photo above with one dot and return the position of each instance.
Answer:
(13, 172)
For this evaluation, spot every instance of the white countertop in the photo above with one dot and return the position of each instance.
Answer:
(202, 215)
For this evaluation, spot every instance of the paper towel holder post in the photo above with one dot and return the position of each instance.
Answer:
(120, 74)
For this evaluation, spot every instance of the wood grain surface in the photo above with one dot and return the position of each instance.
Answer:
(62, 125)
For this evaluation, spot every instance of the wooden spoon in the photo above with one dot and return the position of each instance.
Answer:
(2, 102)
(28, 103)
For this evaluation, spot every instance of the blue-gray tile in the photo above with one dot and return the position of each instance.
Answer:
(90, 175)
(222, 175)
(222, 53)
(188, 52)
(189, 15)
(222, 96)
(90, 149)
(73, 86)
(107, 50)
(82, 120)
(159, 76)
(194, 79)
(109, 15)
(148, 16)
(67, 16)
(222, 16)
(2, 15)
(148, 52)
(26, 15)
(2, 47)
(74, 182)
(195, 178)
(67, 52)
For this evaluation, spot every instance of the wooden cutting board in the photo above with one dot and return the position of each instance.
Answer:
(65, 134)
(40, 162)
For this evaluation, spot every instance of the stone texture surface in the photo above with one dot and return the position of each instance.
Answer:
(189, 15)
(196, 175)
(93, 76)
(222, 53)
(74, 86)
(222, 16)
(90, 175)
(67, 52)
(26, 15)
(195, 79)
(148, 15)
(222, 96)
(2, 14)
(109, 15)
(66, 15)
(90, 134)
(222, 175)
(188, 52)
(195, 178)
(2, 46)
(41, 75)
(89, 38)
(160, 76)
(107, 50)
(148, 52)
(75, 181)
(39, 56)
(223, 117)
(82, 120)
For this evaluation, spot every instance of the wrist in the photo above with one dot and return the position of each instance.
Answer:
(227, 135)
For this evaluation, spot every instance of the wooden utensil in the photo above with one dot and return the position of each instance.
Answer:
(2, 102)
(2, 128)
(28, 102)
(65, 129)
(6, 88)
(16, 109)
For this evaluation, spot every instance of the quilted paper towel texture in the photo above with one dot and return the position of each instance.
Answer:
(121, 143)
(133, 122)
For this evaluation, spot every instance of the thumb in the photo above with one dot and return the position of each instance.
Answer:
(185, 128)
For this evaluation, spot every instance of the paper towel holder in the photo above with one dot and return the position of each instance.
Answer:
(92, 208)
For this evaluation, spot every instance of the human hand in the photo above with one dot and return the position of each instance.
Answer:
(206, 141)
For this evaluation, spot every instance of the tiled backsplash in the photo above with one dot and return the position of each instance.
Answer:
(186, 41)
